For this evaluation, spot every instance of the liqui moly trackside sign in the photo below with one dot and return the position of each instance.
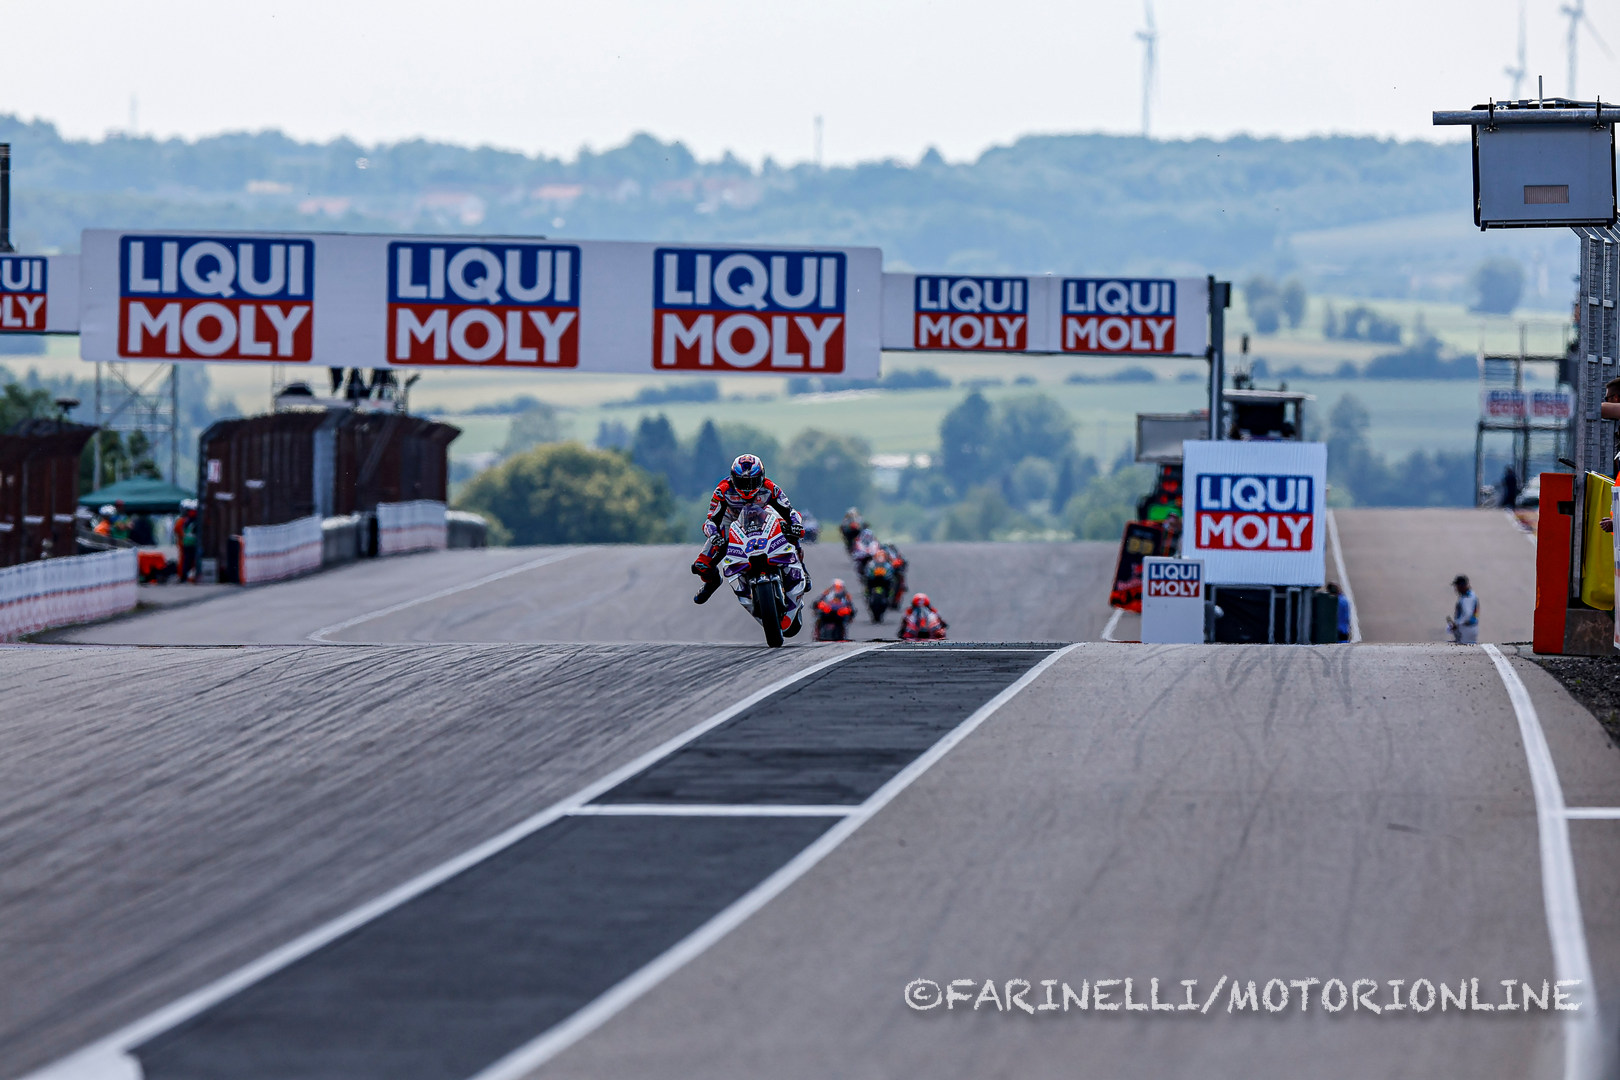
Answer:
(736, 310)
(494, 304)
(1253, 511)
(1100, 316)
(216, 298)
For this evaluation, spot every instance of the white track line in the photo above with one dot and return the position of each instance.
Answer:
(523, 568)
(1344, 578)
(707, 810)
(109, 1059)
(1593, 813)
(1113, 624)
(521, 1061)
(1561, 897)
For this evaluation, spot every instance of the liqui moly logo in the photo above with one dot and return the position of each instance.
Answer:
(1183, 579)
(491, 304)
(216, 298)
(1117, 315)
(973, 314)
(22, 294)
(1255, 513)
(748, 310)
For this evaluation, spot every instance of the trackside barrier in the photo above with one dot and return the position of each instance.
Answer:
(340, 539)
(419, 525)
(60, 592)
(273, 552)
(465, 530)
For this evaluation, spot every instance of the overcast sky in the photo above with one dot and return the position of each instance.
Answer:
(891, 77)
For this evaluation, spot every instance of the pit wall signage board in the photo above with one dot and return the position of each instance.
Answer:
(982, 313)
(39, 294)
(1172, 601)
(1510, 404)
(344, 300)
(1255, 511)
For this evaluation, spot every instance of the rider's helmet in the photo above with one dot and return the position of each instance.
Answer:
(838, 583)
(747, 474)
(867, 537)
(921, 600)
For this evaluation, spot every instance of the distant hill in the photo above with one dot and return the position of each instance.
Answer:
(1358, 216)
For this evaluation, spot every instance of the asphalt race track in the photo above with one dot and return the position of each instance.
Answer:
(528, 813)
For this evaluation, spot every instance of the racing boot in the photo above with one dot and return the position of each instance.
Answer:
(704, 568)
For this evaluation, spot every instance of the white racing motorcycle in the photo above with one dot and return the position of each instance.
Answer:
(764, 570)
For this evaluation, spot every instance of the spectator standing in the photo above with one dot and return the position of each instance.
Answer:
(1464, 620)
(1508, 487)
(1343, 619)
(185, 538)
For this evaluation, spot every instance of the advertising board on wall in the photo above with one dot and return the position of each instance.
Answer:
(342, 300)
(1172, 600)
(1254, 511)
(39, 294)
(1091, 316)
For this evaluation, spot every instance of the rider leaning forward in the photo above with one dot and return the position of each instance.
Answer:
(746, 486)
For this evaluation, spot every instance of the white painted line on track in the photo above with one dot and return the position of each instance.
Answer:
(1344, 578)
(708, 810)
(109, 1058)
(518, 1063)
(321, 637)
(1113, 624)
(1593, 813)
(1560, 895)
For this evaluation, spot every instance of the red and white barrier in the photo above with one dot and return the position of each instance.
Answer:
(60, 592)
(411, 526)
(273, 552)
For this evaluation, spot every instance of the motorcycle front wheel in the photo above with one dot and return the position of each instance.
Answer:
(769, 613)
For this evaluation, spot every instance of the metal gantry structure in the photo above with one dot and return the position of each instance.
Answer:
(1538, 442)
(139, 397)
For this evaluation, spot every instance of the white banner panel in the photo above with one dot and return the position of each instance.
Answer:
(39, 294)
(412, 301)
(1092, 316)
(1254, 511)
(1172, 601)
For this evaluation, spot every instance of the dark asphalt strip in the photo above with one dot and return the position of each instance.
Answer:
(835, 738)
(455, 979)
(445, 985)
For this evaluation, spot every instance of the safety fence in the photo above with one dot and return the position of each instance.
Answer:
(411, 526)
(60, 592)
(273, 552)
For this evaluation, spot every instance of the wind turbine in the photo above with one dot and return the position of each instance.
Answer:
(1577, 16)
(1150, 62)
(1517, 73)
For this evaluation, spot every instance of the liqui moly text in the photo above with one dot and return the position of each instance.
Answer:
(1255, 513)
(972, 314)
(22, 294)
(216, 298)
(725, 309)
(491, 304)
(1119, 315)
(1164, 578)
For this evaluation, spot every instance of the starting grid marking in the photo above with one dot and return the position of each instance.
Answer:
(116, 1056)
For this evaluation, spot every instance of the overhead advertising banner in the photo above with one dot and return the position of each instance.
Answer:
(39, 294)
(1091, 316)
(344, 300)
(1506, 403)
(1254, 511)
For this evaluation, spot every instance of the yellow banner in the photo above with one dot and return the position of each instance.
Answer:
(1597, 566)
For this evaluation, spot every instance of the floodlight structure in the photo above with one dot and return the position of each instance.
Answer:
(1150, 65)
(1544, 164)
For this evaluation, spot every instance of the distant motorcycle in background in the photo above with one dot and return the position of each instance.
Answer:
(881, 584)
(764, 570)
(833, 619)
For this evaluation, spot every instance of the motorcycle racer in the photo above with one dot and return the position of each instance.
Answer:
(834, 609)
(898, 562)
(866, 545)
(747, 485)
(922, 622)
(851, 527)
